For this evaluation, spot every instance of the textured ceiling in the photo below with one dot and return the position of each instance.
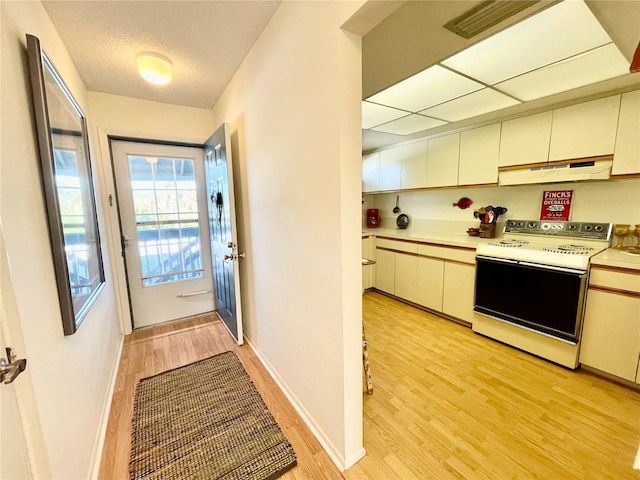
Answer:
(206, 42)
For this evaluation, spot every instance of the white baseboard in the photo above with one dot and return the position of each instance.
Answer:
(328, 446)
(96, 456)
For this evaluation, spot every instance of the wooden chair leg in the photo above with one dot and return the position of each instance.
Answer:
(365, 363)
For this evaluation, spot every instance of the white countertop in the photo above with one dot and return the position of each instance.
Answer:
(440, 238)
(610, 257)
(617, 258)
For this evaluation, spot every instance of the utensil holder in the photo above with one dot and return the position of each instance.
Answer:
(487, 230)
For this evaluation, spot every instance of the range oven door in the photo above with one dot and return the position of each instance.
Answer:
(540, 297)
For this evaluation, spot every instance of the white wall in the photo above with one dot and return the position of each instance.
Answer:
(616, 201)
(294, 114)
(142, 119)
(66, 385)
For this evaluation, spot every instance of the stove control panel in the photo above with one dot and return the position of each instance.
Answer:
(587, 230)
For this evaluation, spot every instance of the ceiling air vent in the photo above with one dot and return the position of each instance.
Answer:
(486, 15)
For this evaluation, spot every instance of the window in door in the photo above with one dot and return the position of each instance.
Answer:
(166, 214)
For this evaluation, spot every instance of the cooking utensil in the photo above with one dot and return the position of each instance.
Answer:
(463, 203)
(402, 221)
(396, 209)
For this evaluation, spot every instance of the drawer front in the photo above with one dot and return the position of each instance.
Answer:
(399, 245)
(628, 281)
(464, 255)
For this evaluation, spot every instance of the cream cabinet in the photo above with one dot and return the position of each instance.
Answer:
(430, 282)
(436, 277)
(371, 172)
(368, 271)
(414, 165)
(459, 290)
(406, 276)
(385, 271)
(585, 130)
(390, 169)
(442, 161)
(626, 157)
(479, 150)
(611, 330)
(525, 140)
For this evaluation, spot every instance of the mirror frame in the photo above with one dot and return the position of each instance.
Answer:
(73, 308)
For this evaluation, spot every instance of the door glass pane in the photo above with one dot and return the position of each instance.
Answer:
(166, 209)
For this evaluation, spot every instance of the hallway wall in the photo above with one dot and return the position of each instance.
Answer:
(64, 393)
(293, 109)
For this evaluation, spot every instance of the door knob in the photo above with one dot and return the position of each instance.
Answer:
(11, 367)
(228, 257)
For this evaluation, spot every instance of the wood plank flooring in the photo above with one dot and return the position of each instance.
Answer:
(450, 404)
(447, 404)
(151, 351)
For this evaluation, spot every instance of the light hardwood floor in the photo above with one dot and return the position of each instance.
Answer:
(447, 404)
(154, 350)
(450, 404)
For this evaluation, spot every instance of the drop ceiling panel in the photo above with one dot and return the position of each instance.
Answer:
(373, 114)
(409, 124)
(476, 103)
(559, 32)
(429, 87)
(600, 64)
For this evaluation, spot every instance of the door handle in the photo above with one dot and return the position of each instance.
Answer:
(11, 367)
(234, 256)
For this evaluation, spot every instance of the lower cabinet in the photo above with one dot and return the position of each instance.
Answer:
(385, 271)
(367, 270)
(430, 282)
(610, 335)
(439, 284)
(459, 290)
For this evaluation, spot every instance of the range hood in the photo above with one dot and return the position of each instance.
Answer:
(565, 172)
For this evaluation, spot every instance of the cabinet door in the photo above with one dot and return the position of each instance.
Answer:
(430, 283)
(371, 172)
(525, 140)
(442, 161)
(585, 130)
(385, 271)
(459, 290)
(479, 155)
(367, 270)
(414, 165)
(406, 277)
(611, 334)
(390, 168)
(626, 158)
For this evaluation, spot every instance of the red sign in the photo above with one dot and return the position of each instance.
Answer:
(556, 205)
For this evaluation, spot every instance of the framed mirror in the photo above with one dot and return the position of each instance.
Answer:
(68, 189)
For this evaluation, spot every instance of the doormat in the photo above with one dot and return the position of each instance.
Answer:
(205, 420)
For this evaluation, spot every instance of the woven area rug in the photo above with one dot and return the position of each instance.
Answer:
(205, 420)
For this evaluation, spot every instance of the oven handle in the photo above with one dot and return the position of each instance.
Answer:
(534, 265)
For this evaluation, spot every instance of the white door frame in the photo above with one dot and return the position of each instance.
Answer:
(155, 304)
(113, 233)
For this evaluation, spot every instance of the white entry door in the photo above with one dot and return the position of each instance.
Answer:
(14, 459)
(223, 231)
(163, 216)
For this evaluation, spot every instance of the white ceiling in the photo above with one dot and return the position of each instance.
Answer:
(206, 42)
(412, 39)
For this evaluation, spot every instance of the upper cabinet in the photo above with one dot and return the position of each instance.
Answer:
(585, 130)
(371, 172)
(525, 140)
(390, 169)
(442, 163)
(414, 165)
(479, 155)
(626, 157)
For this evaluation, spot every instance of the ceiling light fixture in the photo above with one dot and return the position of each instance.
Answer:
(154, 68)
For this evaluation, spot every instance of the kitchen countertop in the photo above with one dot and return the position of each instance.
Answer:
(617, 258)
(440, 238)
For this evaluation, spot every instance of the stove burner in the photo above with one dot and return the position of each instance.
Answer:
(509, 243)
(571, 249)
